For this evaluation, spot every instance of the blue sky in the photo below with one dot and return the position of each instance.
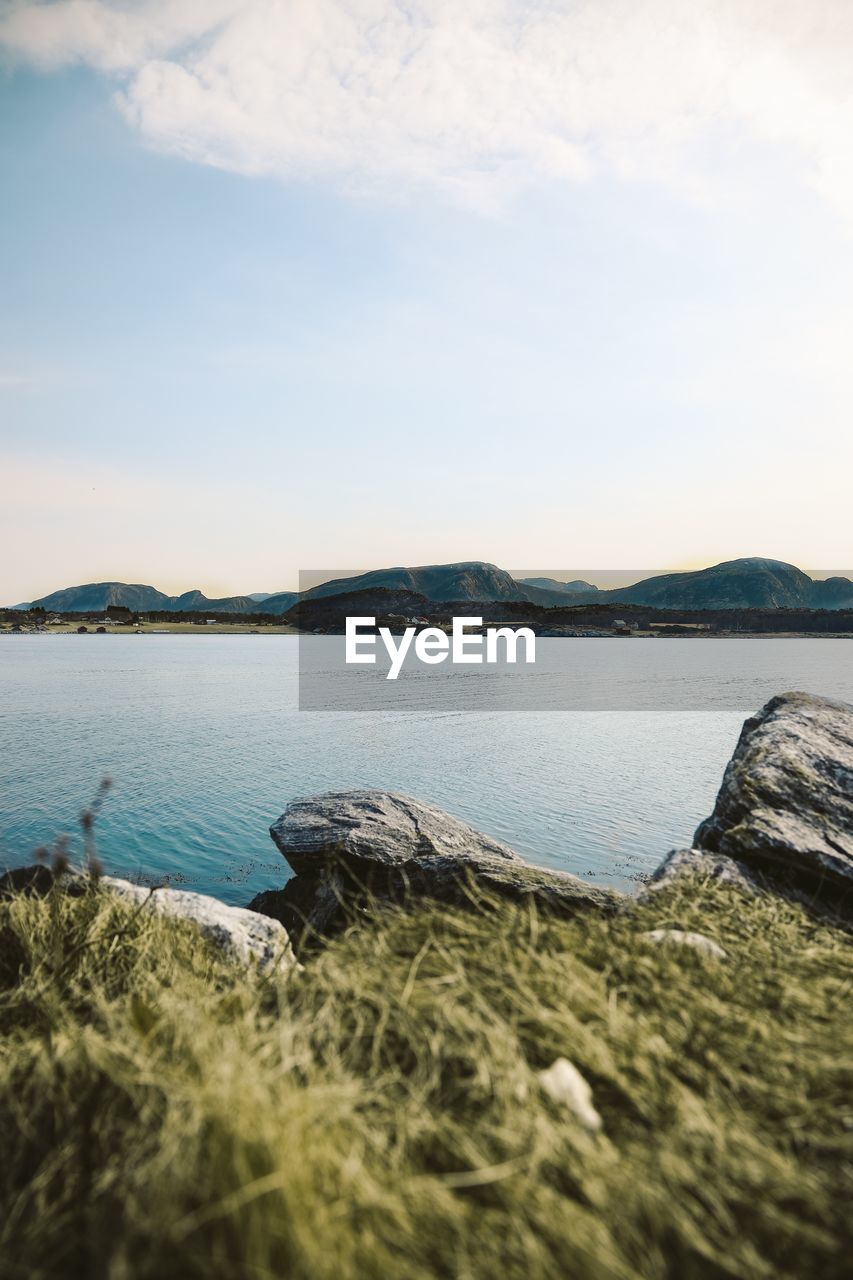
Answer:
(220, 366)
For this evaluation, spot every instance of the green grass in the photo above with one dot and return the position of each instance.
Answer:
(165, 1114)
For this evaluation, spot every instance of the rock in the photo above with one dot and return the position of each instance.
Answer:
(243, 934)
(346, 845)
(13, 957)
(308, 907)
(680, 938)
(714, 866)
(564, 1083)
(36, 880)
(558, 891)
(785, 806)
(372, 828)
(312, 907)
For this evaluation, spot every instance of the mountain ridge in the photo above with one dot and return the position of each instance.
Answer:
(752, 582)
(93, 597)
(749, 582)
(462, 580)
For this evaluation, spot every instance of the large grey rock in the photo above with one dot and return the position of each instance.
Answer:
(785, 806)
(347, 845)
(361, 828)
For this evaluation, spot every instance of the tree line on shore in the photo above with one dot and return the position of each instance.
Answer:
(329, 613)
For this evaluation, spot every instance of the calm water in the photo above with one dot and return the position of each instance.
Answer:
(205, 747)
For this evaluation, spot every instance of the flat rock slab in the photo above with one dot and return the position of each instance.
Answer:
(242, 934)
(376, 828)
(786, 801)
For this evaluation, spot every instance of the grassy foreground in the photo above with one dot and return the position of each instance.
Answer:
(164, 1114)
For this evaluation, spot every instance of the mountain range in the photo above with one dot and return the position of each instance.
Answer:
(751, 583)
(95, 597)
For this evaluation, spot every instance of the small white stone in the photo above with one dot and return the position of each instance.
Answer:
(564, 1083)
(680, 937)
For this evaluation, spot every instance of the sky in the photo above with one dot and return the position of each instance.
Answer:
(296, 284)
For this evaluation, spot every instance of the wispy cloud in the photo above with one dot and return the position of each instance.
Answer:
(471, 98)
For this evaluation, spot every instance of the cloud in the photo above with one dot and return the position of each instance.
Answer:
(470, 97)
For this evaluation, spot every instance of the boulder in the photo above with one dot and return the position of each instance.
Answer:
(242, 934)
(369, 829)
(309, 907)
(35, 880)
(713, 866)
(785, 807)
(345, 846)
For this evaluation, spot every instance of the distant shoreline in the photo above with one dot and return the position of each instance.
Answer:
(181, 628)
(156, 629)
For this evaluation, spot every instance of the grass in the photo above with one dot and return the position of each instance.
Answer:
(166, 1114)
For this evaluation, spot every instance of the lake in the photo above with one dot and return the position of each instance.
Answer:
(205, 746)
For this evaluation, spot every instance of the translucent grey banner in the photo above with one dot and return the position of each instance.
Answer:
(583, 675)
(599, 654)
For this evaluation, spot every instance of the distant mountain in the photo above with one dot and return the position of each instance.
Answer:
(751, 583)
(258, 596)
(280, 603)
(576, 587)
(95, 597)
(469, 580)
(832, 593)
(198, 602)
